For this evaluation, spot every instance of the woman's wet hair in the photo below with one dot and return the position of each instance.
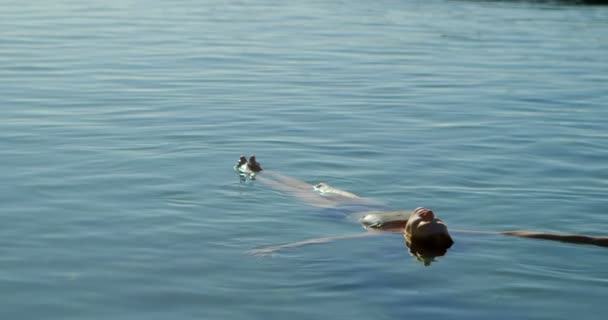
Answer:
(426, 252)
(438, 241)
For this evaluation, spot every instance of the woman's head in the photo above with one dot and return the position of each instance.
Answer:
(424, 229)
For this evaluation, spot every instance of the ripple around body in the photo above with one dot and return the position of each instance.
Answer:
(121, 121)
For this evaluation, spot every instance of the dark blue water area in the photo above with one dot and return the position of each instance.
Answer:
(122, 120)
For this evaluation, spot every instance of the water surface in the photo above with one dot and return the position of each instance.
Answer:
(121, 121)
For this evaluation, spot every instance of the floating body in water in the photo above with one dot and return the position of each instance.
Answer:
(426, 236)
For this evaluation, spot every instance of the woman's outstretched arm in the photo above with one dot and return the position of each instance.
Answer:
(274, 249)
(561, 237)
(569, 238)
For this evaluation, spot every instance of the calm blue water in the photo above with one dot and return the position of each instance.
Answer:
(121, 121)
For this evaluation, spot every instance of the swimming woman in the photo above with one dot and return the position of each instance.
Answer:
(426, 235)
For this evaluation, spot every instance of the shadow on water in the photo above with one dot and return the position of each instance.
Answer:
(551, 2)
